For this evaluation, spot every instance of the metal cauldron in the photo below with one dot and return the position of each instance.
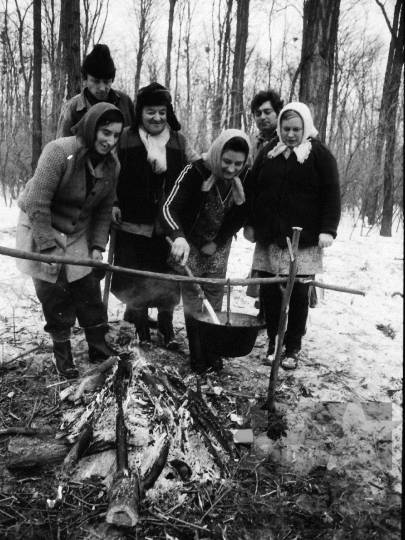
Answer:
(231, 340)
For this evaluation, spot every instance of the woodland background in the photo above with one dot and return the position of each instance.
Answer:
(344, 58)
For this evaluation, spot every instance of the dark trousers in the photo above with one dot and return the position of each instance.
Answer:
(271, 299)
(63, 302)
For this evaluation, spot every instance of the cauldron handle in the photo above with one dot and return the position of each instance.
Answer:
(228, 303)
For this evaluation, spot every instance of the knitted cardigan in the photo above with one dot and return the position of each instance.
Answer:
(55, 197)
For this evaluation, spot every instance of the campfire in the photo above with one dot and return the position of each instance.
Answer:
(164, 432)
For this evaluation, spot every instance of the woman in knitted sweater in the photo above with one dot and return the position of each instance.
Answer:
(206, 208)
(66, 210)
(296, 184)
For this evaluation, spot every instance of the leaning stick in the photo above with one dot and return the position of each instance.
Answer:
(110, 258)
(125, 492)
(20, 254)
(282, 324)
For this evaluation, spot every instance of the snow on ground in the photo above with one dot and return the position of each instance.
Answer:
(352, 352)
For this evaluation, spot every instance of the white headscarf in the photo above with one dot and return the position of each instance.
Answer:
(304, 148)
(212, 160)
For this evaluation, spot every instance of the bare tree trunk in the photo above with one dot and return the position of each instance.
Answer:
(321, 21)
(218, 101)
(394, 83)
(36, 98)
(70, 47)
(144, 24)
(239, 63)
(169, 44)
(92, 18)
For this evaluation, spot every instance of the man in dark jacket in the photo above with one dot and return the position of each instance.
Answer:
(98, 73)
(265, 108)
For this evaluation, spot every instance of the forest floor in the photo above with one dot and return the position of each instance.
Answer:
(335, 475)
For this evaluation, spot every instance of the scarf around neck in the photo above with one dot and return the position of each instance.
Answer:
(213, 162)
(303, 150)
(156, 148)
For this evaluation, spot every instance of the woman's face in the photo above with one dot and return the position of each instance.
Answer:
(292, 131)
(154, 119)
(107, 137)
(232, 163)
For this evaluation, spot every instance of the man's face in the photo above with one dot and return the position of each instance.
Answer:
(154, 118)
(265, 117)
(99, 88)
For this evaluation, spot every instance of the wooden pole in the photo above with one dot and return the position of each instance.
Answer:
(110, 258)
(20, 254)
(125, 492)
(282, 324)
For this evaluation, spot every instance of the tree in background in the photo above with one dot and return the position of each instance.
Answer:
(221, 69)
(145, 19)
(387, 121)
(239, 64)
(172, 4)
(95, 13)
(69, 29)
(36, 95)
(321, 20)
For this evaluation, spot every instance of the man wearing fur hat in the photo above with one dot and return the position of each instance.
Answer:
(152, 154)
(98, 73)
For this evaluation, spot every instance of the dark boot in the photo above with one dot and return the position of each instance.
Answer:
(99, 350)
(63, 359)
(197, 359)
(165, 329)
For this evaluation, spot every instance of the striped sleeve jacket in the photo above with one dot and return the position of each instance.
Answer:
(182, 208)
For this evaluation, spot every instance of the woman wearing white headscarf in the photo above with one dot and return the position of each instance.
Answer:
(296, 185)
(206, 207)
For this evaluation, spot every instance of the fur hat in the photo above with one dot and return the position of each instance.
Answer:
(154, 95)
(99, 63)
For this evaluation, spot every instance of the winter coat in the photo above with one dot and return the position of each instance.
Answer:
(182, 208)
(55, 211)
(289, 194)
(74, 110)
(140, 191)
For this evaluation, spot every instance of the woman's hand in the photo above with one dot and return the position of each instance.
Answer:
(96, 255)
(181, 250)
(249, 233)
(325, 240)
(50, 268)
(116, 214)
(208, 249)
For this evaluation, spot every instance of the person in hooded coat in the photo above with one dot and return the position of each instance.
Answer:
(152, 154)
(296, 184)
(206, 208)
(65, 209)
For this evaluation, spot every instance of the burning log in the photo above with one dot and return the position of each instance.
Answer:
(125, 492)
(78, 449)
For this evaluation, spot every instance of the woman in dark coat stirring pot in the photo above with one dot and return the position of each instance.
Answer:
(296, 184)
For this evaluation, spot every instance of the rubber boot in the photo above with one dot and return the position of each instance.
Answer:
(197, 359)
(99, 350)
(63, 359)
(140, 320)
(165, 329)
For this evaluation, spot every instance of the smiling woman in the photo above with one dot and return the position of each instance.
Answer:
(66, 210)
(207, 206)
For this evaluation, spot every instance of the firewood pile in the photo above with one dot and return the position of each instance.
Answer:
(160, 431)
